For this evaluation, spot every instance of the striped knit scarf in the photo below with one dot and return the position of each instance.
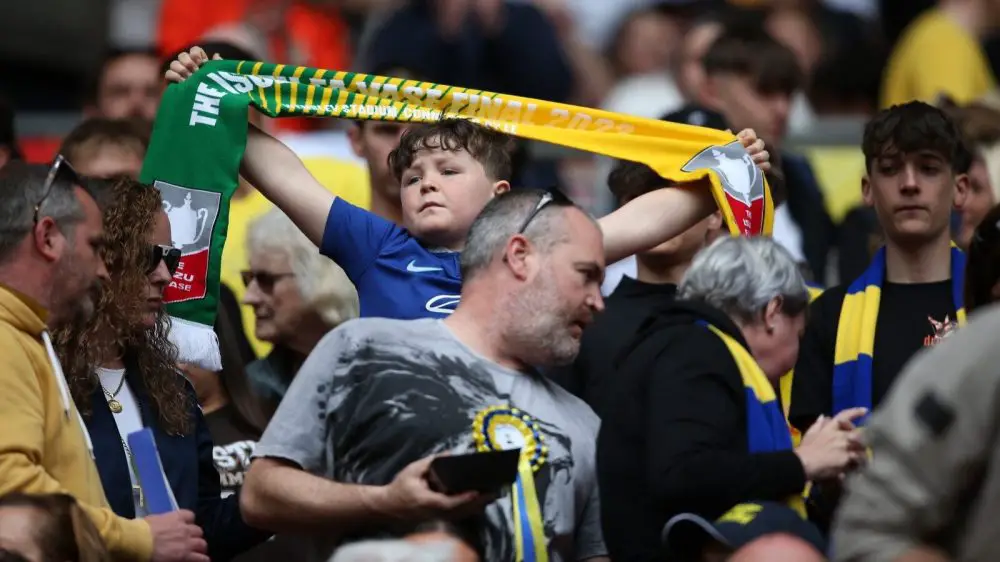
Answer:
(201, 132)
(852, 369)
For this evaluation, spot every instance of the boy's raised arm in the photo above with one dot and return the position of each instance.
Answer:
(279, 174)
(271, 167)
(655, 217)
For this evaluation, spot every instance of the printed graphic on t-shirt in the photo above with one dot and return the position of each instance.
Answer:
(232, 461)
(941, 330)
(407, 390)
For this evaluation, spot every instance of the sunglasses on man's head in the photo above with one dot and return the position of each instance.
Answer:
(60, 167)
(265, 281)
(170, 256)
(551, 197)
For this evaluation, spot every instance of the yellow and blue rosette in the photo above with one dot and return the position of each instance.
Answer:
(501, 428)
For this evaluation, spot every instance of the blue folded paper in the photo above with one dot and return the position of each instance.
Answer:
(158, 496)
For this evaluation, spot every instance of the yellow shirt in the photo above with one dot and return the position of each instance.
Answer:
(935, 56)
(42, 447)
(346, 179)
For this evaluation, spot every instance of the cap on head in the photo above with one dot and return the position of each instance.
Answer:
(687, 534)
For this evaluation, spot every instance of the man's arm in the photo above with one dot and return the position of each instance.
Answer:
(938, 424)
(283, 491)
(280, 496)
(22, 442)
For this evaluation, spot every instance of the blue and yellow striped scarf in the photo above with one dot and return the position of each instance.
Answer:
(852, 364)
(767, 430)
(785, 384)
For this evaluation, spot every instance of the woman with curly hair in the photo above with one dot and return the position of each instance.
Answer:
(123, 375)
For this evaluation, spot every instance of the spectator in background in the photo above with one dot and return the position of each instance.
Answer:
(500, 46)
(51, 266)
(751, 80)
(503, 46)
(980, 127)
(797, 30)
(9, 149)
(122, 374)
(694, 424)
(592, 374)
(982, 271)
(373, 141)
(127, 86)
(49, 528)
(297, 296)
(103, 148)
(861, 334)
(396, 392)
(940, 53)
(296, 32)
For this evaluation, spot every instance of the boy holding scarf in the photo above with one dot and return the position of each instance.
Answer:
(448, 171)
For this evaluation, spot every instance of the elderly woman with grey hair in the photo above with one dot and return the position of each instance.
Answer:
(297, 297)
(695, 426)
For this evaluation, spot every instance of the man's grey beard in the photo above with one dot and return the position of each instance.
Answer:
(535, 329)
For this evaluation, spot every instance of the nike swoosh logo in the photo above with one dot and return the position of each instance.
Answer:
(412, 267)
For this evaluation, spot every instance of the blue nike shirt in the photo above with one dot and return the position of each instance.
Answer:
(395, 275)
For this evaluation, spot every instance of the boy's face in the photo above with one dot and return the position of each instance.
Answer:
(442, 193)
(913, 194)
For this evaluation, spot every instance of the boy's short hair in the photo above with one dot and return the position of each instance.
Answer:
(99, 132)
(911, 127)
(749, 51)
(628, 180)
(489, 147)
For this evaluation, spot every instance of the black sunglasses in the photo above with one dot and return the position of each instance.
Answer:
(59, 166)
(265, 281)
(551, 197)
(170, 256)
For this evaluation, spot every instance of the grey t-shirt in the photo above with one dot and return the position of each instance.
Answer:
(377, 394)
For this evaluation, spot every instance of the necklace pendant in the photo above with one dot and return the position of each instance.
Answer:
(115, 406)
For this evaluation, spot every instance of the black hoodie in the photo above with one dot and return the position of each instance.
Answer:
(675, 439)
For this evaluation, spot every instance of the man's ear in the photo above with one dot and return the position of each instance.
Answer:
(961, 191)
(866, 191)
(500, 187)
(48, 240)
(515, 255)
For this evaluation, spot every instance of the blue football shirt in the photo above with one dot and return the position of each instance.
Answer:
(395, 275)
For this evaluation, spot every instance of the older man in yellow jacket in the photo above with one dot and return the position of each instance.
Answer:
(50, 264)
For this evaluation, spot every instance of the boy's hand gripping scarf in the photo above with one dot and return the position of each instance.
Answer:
(201, 133)
(852, 364)
(767, 430)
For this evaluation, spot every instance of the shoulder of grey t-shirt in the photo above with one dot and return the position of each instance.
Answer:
(298, 431)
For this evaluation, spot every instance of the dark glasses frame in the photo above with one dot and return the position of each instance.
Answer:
(265, 279)
(59, 165)
(550, 197)
(169, 255)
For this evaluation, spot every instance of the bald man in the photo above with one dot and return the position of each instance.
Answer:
(778, 547)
